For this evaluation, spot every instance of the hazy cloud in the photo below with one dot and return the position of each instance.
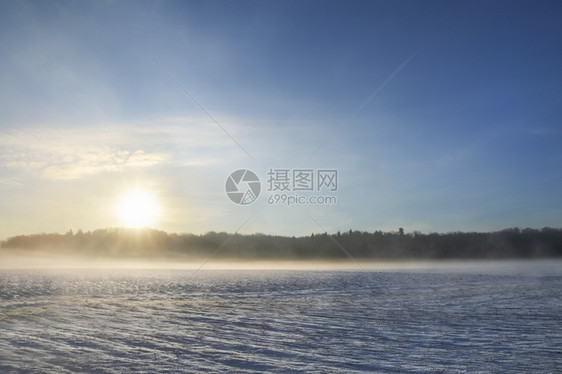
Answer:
(61, 153)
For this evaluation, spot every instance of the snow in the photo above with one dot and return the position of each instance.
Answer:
(249, 321)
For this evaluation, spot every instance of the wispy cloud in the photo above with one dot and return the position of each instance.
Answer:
(62, 153)
(103, 162)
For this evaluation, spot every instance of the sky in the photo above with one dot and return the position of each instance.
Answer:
(437, 116)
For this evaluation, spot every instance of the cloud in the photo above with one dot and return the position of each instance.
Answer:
(108, 162)
(71, 153)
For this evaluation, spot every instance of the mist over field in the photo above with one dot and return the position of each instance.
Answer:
(120, 305)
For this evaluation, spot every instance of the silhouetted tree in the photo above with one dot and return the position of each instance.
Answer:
(508, 243)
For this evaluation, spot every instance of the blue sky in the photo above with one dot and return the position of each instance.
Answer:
(465, 135)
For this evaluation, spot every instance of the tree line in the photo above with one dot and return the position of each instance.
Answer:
(122, 242)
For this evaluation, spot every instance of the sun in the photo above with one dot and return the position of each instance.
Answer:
(137, 209)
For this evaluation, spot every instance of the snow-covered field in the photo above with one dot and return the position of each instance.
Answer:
(412, 320)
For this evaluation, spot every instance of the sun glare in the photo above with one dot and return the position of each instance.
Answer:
(137, 209)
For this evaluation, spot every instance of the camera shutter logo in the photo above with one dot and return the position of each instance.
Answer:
(243, 187)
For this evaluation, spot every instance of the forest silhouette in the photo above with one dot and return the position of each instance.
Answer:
(146, 242)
